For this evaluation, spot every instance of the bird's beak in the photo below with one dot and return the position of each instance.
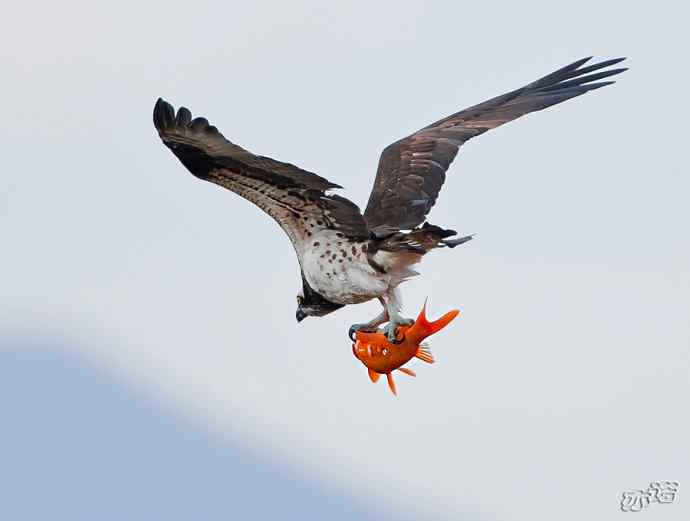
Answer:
(300, 315)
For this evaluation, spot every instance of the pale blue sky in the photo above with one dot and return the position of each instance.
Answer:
(563, 383)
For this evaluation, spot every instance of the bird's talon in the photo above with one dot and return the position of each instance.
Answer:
(395, 340)
(359, 327)
(351, 333)
(391, 329)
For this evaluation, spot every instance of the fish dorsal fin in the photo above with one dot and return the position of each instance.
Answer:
(424, 354)
(373, 375)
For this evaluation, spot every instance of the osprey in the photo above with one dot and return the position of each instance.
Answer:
(347, 257)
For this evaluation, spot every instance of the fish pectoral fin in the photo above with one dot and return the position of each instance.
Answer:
(391, 384)
(373, 375)
(424, 354)
(407, 371)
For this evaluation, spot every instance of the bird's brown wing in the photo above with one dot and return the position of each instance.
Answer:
(295, 198)
(411, 171)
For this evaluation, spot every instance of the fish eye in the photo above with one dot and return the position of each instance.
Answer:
(300, 299)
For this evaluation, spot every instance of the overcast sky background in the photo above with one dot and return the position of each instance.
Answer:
(563, 383)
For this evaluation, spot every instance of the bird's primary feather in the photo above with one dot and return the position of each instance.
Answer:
(412, 170)
(295, 198)
(347, 257)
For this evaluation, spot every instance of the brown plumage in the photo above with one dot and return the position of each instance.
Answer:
(391, 234)
(412, 171)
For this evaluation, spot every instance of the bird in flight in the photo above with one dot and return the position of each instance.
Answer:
(347, 257)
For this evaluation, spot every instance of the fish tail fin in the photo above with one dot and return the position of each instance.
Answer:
(434, 327)
(423, 328)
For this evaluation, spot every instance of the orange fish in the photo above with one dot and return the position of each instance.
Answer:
(382, 357)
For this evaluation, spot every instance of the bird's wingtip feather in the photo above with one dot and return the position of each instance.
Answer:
(163, 114)
(594, 86)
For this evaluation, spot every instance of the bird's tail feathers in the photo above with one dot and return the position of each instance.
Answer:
(452, 243)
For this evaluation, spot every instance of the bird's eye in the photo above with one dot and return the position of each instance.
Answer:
(300, 299)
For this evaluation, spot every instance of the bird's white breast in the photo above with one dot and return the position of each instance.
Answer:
(338, 269)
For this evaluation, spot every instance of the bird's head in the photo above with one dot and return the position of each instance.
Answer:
(311, 304)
